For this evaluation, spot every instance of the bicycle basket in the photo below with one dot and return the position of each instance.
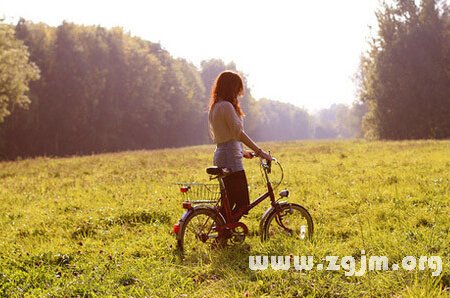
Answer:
(197, 193)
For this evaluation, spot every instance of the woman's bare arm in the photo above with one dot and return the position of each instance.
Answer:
(244, 138)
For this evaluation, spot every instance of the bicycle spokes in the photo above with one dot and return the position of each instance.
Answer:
(203, 230)
(290, 219)
(279, 220)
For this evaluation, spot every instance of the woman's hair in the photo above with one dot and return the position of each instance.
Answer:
(227, 86)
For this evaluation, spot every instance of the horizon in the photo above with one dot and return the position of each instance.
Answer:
(316, 66)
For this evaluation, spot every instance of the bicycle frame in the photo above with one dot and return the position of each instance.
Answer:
(233, 218)
(226, 225)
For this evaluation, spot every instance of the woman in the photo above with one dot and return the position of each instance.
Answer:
(227, 131)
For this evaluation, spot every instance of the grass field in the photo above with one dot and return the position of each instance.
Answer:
(101, 225)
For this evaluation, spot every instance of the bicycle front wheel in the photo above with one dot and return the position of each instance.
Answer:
(290, 220)
(198, 233)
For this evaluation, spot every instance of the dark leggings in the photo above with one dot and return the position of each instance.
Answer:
(237, 190)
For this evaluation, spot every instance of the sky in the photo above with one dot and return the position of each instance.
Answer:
(302, 52)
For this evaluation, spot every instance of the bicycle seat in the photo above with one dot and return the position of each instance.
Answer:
(217, 171)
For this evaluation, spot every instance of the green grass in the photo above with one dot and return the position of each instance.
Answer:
(101, 225)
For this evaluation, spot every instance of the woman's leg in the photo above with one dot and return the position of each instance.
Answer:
(237, 190)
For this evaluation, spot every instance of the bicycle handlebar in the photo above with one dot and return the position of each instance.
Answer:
(267, 164)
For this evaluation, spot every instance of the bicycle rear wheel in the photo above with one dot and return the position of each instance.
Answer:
(198, 234)
(290, 220)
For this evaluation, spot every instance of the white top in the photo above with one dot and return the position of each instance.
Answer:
(224, 122)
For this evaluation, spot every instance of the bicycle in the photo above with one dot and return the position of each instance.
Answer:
(210, 223)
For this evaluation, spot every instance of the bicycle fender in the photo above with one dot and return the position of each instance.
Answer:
(187, 213)
(266, 214)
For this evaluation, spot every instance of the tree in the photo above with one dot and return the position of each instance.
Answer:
(24, 130)
(282, 121)
(339, 121)
(404, 78)
(15, 72)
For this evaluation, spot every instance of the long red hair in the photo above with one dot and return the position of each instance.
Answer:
(227, 86)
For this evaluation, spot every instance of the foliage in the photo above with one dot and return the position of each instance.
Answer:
(339, 121)
(15, 72)
(405, 78)
(283, 121)
(104, 90)
(101, 225)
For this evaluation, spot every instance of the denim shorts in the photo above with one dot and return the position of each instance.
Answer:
(229, 155)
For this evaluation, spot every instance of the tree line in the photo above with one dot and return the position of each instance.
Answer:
(75, 89)
(93, 89)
